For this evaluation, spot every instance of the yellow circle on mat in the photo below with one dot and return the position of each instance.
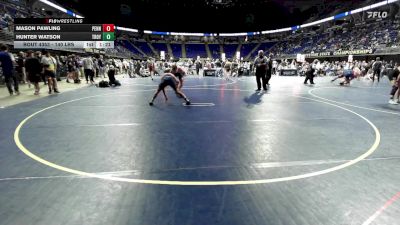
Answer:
(197, 183)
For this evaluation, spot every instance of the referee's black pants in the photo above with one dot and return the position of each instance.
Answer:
(260, 78)
(378, 74)
(89, 74)
(309, 77)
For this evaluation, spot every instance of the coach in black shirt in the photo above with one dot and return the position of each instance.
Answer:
(260, 63)
(376, 67)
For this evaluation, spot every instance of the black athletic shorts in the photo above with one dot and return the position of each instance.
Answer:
(168, 82)
(179, 76)
(49, 73)
(349, 76)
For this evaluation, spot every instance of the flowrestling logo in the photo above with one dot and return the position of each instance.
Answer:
(377, 15)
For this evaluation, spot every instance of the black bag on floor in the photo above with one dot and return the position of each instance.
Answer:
(103, 84)
(77, 81)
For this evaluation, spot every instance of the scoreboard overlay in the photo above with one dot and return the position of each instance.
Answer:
(61, 34)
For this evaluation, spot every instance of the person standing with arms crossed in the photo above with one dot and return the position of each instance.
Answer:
(260, 63)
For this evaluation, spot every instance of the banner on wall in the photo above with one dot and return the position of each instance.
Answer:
(340, 53)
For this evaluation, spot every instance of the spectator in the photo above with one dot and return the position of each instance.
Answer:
(88, 68)
(33, 70)
(261, 68)
(7, 64)
(50, 66)
(376, 66)
(20, 68)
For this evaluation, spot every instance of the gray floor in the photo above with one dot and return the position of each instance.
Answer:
(293, 132)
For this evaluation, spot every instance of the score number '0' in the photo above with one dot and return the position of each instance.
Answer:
(108, 27)
(108, 32)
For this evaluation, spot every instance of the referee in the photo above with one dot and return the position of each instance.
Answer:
(376, 67)
(260, 63)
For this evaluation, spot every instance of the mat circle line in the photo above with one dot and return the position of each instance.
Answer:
(37, 158)
(310, 92)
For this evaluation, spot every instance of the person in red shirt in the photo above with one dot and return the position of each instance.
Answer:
(151, 67)
(179, 73)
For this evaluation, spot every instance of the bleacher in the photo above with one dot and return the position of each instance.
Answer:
(347, 36)
(119, 51)
(144, 47)
(230, 50)
(7, 13)
(15, 9)
(366, 36)
(176, 50)
(160, 47)
(377, 35)
(128, 45)
(266, 46)
(214, 49)
(246, 49)
(194, 50)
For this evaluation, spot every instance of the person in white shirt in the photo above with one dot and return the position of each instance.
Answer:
(125, 65)
(274, 66)
(50, 66)
(227, 70)
(131, 68)
(88, 69)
